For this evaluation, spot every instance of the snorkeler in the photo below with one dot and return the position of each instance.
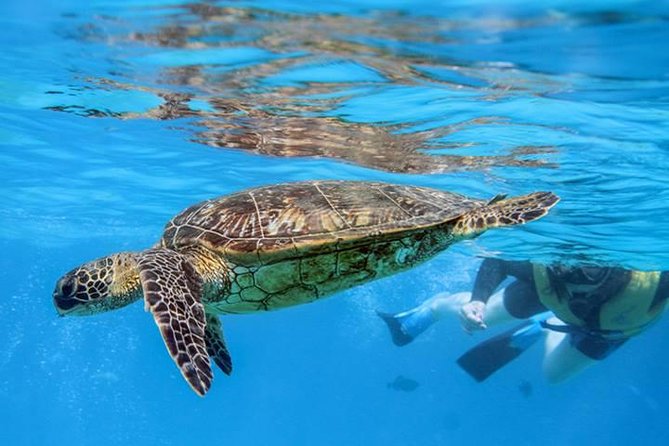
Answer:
(594, 311)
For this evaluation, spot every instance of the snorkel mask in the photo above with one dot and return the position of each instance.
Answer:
(585, 286)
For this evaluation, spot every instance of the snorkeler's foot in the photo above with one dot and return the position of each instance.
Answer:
(398, 335)
(406, 326)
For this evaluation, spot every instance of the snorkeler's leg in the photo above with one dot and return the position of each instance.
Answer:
(562, 359)
(495, 312)
(407, 325)
(517, 301)
(444, 305)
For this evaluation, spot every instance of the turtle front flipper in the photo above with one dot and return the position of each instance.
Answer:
(172, 291)
(216, 344)
(501, 211)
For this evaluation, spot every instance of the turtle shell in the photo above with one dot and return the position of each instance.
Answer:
(268, 224)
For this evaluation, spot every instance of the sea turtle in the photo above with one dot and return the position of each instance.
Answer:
(276, 246)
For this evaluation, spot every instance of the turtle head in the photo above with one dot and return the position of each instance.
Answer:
(101, 285)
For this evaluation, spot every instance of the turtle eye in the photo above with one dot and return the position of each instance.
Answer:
(66, 286)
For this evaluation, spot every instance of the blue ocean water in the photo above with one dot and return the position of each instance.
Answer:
(118, 114)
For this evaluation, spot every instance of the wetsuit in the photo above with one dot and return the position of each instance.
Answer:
(526, 297)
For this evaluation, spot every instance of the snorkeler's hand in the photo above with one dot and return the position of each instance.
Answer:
(471, 316)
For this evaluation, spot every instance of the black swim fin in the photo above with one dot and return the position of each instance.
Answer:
(492, 354)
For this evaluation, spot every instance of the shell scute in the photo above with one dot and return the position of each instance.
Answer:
(275, 223)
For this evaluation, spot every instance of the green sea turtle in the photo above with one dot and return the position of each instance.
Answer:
(277, 246)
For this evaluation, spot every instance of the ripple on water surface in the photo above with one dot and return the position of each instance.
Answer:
(465, 98)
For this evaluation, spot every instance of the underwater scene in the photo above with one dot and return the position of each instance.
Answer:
(472, 198)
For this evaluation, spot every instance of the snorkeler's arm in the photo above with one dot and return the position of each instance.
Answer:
(492, 273)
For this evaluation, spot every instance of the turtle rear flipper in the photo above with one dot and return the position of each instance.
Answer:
(506, 212)
(216, 344)
(172, 291)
